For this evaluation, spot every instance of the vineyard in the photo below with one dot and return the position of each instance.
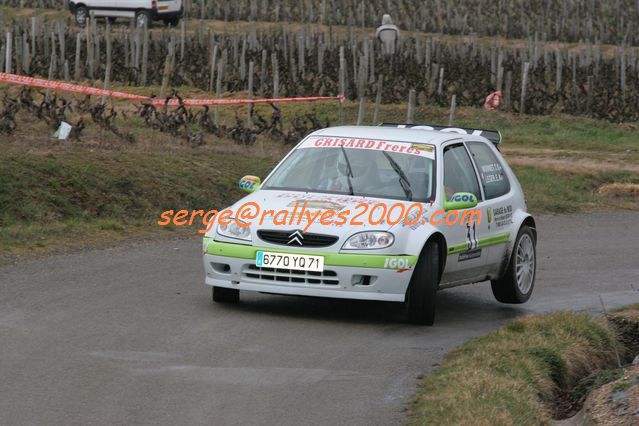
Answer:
(568, 71)
(536, 74)
(565, 20)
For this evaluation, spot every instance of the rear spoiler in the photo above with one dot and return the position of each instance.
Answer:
(492, 135)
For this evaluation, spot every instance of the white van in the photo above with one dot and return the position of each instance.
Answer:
(143, 11)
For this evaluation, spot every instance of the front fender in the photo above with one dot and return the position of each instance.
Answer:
(411, 239)
(416, 237)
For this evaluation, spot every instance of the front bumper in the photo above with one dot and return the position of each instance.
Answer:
(345, 276)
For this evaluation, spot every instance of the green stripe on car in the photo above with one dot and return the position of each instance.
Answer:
(242, 251)
(482, 243)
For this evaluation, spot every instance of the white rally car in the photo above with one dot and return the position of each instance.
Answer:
(446, 172)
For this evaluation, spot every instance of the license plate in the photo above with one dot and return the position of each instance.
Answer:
(298, 262)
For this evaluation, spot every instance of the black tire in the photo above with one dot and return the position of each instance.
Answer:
(422, 289)
(81, 15)
(142, 16)
(508, 289)
(226, 295)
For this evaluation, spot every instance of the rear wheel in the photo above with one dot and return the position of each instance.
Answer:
(81, 15)
(142, 19)
(226, 295)
(422, 289)
(517, 284)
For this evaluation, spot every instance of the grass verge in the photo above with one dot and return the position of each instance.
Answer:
(56, 198)
(555, 191)
(513, 375)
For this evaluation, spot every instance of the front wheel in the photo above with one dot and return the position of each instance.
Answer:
(422, 289)
(226, 295)
(516, 285)
(142, 19)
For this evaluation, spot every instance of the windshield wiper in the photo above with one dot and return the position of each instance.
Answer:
(349, 173)
(403, 180)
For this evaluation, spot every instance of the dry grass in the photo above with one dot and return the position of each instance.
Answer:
(615, 403)
(61, 237)
(26, 12)
(620, 190)
(61, 195)
(511, 376)
(626, 322)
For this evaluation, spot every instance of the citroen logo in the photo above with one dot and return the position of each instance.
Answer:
(296, 237)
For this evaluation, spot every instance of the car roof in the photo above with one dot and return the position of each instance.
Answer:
(434, 137)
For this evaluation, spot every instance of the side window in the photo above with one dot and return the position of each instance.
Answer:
(459, 173)
(491, 172)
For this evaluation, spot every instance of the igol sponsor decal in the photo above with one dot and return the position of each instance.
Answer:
(249, 182)
(464, 197)
(396, 263)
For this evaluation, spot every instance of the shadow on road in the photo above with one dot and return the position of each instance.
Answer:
(454, 307)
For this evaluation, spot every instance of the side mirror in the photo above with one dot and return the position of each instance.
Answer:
(250, 184)
(461, 201)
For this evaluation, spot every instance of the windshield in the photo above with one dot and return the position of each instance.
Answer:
(373, 168)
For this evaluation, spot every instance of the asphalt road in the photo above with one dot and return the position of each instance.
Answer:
(129, 335)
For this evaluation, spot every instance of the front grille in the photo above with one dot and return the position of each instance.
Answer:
(308, 240)
(290, 276)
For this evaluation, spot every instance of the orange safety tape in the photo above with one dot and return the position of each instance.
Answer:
(87, 90)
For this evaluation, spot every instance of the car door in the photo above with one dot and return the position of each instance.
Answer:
(497, 207)
(465, 261)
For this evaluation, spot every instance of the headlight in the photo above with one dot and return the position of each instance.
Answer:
(232, 230)
(369, 240)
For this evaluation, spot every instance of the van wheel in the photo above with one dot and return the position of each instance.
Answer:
(422, 289)
(142, 19)
(516, 285)
(226, 295)
(81, 15)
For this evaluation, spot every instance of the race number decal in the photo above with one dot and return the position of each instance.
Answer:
(471, 236)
